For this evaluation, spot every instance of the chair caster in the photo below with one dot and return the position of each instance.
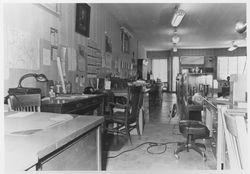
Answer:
(176, 156)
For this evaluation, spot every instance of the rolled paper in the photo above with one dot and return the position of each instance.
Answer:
(59, 66)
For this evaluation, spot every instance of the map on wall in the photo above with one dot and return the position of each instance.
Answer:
(22, 50)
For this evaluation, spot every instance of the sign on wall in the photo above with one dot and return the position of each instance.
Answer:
(192, 60)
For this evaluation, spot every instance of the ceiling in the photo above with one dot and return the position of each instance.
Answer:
(205, 25)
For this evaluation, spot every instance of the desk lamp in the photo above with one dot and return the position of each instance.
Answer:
(27, 90)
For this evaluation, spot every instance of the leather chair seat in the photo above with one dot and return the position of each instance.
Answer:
(194, 128)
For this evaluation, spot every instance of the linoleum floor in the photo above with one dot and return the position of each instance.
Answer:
(158, 128)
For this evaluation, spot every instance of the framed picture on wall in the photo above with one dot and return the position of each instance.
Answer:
(82, 19)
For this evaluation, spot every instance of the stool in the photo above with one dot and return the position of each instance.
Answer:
(193, 130)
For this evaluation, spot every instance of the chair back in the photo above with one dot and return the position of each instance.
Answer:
(135, 99)
(109, 97)
(26, 102)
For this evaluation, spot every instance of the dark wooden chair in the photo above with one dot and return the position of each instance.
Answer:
(26, 103)
(125, 116)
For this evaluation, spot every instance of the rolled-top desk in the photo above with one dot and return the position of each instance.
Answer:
(49, 141)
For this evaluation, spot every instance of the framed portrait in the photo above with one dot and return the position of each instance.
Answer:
(82, 19)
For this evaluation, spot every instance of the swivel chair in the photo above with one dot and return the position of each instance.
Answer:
(192, 130)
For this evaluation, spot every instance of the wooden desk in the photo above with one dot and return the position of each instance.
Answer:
(57, 144)
(74, 104)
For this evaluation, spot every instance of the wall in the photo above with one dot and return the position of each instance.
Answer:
(197, 52)
(35, 21)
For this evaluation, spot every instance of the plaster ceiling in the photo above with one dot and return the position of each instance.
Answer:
(205, 25)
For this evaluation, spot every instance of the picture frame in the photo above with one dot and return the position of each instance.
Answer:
(82, 19)
(53, 8)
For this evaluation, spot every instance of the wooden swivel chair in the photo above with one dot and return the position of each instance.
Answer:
(127, 116)
(26, 102)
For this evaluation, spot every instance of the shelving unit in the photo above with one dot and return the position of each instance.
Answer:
(94, 59)
(187, 85)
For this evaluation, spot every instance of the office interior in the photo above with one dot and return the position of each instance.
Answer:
(125, 86)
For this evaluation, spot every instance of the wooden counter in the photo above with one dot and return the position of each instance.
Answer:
(47, 141)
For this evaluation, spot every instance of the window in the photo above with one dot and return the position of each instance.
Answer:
(230, 65)
(160, 69)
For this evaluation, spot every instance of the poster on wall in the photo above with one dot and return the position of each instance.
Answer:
(108, 61)
(82, 19)
(82, 56)
(22, 50)
(71, 59)
(108, 44)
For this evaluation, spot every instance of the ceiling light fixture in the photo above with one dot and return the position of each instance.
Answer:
(177, 18)
(233, 47)
(176, 39)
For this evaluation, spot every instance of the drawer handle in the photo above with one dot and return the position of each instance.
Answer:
(79, 105)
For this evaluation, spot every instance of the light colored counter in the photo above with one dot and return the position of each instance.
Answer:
(24, 151)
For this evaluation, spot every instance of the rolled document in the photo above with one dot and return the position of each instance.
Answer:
(59, 66)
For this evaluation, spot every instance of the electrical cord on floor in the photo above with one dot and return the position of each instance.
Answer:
(151, 145)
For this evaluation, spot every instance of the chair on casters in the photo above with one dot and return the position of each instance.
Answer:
(193, 130)
(126, 116)
(25, 102)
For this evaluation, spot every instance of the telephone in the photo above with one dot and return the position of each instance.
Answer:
(89, 90)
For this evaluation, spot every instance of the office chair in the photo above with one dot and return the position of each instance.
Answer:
(26, 102)
(192, 130)
(126, 116)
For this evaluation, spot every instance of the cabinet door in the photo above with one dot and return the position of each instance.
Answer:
(81, 154)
